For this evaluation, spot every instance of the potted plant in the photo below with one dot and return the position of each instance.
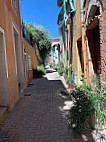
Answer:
(89, 107)
(82, 109)
(98, 120)
(70, 82)
(66, 73)
(60, 71)
(60, 68)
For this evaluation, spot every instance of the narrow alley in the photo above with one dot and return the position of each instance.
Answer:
(53, 71)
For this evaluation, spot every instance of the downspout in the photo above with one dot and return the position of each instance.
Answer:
(68, 61)
(64, 33)
(64, 9)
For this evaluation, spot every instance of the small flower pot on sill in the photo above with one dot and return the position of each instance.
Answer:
(70, 86)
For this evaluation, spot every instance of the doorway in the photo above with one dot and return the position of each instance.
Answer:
(4, 93)
(94, 49)
(18, 58)
(25, 66)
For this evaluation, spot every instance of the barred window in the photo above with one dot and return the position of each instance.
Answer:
(29, 59)
(13, 3)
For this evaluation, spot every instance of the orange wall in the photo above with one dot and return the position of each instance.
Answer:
(7, 17)
(31, 52)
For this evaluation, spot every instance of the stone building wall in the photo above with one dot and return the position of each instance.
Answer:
(103, 45)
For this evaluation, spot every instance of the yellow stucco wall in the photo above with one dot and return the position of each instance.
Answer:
(8, 16)
(76, 35)
(31, 52)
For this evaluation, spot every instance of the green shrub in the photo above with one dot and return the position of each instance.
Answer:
(66, 72)
(82, 110)
(39, 71)
(42, 69)
(99, 101)
(70, 80)
(88, 100)
(61, 65)
(60, 70)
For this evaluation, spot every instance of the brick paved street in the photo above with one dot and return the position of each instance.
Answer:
(39, 115)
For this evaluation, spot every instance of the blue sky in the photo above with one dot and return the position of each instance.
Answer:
(41, 12)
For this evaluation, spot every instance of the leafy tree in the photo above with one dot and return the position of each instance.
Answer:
(42, 38)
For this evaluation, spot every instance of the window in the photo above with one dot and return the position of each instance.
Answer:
(29, 59)
(13, 3)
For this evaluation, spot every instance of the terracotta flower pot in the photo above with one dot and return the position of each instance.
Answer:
(61, 74)
(95, 125)
(70, 86)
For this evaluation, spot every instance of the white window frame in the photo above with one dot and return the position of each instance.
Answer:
(13, 2)
(29, 61)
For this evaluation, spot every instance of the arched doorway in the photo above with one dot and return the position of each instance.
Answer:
(93, 37)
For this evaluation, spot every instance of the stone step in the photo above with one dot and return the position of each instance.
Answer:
(3, 112)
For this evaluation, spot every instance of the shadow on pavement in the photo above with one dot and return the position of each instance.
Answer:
(50, 71)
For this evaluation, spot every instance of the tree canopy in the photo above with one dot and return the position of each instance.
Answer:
(42, 38)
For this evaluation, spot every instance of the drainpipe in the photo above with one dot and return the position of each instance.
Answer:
(84, 48)
(64, 9)
(64, 33)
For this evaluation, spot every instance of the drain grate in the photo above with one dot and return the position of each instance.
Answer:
(29, 85)
(27, 95)
(64, 93)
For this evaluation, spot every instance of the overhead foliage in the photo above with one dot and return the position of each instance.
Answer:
(42, 38)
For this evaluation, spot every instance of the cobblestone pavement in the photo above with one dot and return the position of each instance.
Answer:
(40, 114)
